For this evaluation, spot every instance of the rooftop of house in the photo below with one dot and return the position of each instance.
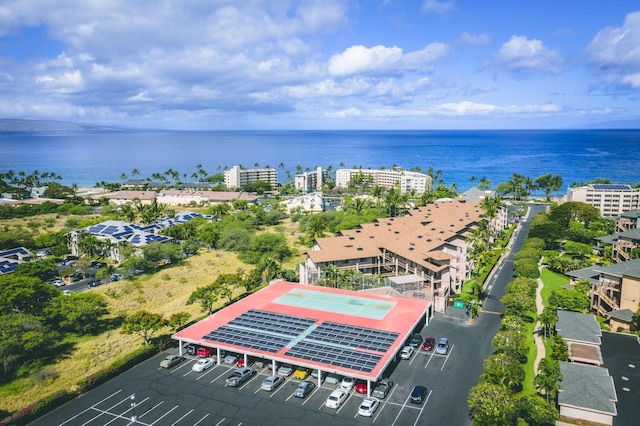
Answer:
(587, 387)
(578, 327)
(418, 236)
(628, 268)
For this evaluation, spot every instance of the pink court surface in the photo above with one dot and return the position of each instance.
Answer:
(337, 331)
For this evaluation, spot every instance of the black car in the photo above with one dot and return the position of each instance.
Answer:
(94, 283)
(415, 341)
(418, 394)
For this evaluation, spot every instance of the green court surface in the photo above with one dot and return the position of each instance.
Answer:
(336, 303)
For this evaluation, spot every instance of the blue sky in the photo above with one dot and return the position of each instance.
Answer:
(327, 64)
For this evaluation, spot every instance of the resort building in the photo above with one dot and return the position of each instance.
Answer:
(611, 200)
(310, 181)
(615, 291)
(173, 197)
(394, 178)
(429, 242)
(312, 202)
(237, 176)
(628, 221)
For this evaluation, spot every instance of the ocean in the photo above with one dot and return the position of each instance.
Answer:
(84, 158)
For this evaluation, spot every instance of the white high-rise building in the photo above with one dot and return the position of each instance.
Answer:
(237, 177)
(610, 199)
(310, 181)
(396, 177)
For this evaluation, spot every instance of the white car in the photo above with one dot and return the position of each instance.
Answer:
(285, 370)
(272, 382)
(231, 359)
(202, 364)
(407, 352)
(443, 346)
(347, 383)
(336, 398)
(368, 406)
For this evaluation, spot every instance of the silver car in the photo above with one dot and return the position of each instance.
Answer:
(272, 382)
(443, 346)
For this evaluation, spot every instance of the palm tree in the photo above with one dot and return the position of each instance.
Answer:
(548, 318)
(548, 378)
(332, 274)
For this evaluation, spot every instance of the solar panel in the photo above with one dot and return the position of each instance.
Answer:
(18, 250)
(248, 339)
(611, 187)
(336, 356)
(352, 336)
(269, 321)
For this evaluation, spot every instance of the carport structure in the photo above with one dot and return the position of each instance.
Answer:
(349, 333)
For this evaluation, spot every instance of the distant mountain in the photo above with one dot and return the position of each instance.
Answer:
(632, 123)
(22, 125)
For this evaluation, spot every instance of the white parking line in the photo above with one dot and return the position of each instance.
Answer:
(151, 409)
(164, 415)
(202, 419)
(99, 402)
(107, 411)
(176, 422)
(447, 358)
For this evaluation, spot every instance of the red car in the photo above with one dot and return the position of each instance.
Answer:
(204, 352)
(361, 387)
(429, 343)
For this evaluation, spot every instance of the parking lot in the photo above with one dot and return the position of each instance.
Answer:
(180, 396)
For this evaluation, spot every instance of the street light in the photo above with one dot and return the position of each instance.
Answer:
(134, 418)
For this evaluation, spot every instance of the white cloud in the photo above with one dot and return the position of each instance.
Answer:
(615, 53)
(523, 56)
(435, 6)
(474, 39)
(382, 59)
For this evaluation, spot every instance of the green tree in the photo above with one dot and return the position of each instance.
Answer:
(26, 295)
(267, 244)
(144, 324)
(548, 377)
(518, 304)
(234, 239)
(20, 335)
(491, 405)
(579, 250)
(548, 319)
(574, 211)
(511, 343)
(571, 300)
(77, 312)
(538, 412)
(503, 369)
(206, 296)
(549, 184)
(178, 319)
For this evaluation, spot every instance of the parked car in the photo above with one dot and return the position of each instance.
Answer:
(368, 406)
(94, 283)
(170, 360)
(383, 388)
(231, 359)
(415, 341)
(429, 344)
(285, 370)
(318, 374)
(336, 398)
(418, 394)
(202, 364)
(58, 282)
(240, 362)
(204, 352)
(272, 382)
(259, 363)
(361, 387)
(443, 346)
(240, 376)
(191, 349)
(407, 352)
(304, 389)
(332, 379)
(301, 373)
(347, 383)
(116, 276)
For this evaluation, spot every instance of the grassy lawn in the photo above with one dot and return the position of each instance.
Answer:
(164, 292)
(528, 387)
(552, 281)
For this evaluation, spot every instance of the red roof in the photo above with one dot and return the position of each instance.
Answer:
(394, 315)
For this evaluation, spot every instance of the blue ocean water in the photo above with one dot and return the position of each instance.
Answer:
(85, 158)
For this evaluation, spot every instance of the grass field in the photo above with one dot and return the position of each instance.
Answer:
(164, 292)
(552, 281)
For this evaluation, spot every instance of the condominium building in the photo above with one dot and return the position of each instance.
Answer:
(610, 199)
(396, 177)
(310, 181)
(429, 242)
(237, 176)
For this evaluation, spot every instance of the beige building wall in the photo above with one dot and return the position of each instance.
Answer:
(630, 293)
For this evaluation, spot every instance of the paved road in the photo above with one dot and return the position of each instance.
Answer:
(179, 396)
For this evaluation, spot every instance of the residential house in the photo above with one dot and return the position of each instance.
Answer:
(312, 202)
(587, 394)
(429, 242)
(11, 258)
(582, 334)
(120, 198)
(615, 291)
(173, 197)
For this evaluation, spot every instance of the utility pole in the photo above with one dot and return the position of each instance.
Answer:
(134, 418)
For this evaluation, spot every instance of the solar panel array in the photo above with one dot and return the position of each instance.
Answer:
(15, 251)
(8, 265)
(273, 322)
(248, 339)
(338, 357)
(348, 335)
(611, 187)
(331, 343)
